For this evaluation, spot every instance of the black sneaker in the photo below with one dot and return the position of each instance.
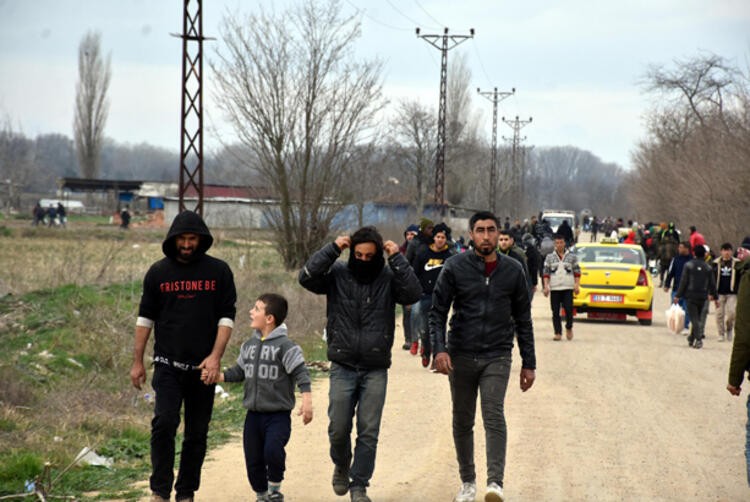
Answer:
(359, 494)
(698, 344)
(276, 496)
(340, 480)
(690, 341)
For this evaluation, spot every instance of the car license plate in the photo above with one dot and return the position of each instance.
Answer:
(607, 298)
(611, 316)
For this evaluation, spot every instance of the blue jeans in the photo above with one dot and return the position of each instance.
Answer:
(362, 392)
(490, 377)
(682, 303)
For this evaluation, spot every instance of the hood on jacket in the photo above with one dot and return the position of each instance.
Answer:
(187, 222)
(280, 330)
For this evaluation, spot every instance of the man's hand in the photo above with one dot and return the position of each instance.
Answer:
(546, 290)
(666, 289)
(443, 363)
(210, 369)
(305, 409)
(390, 248)
(343, 241)
(527, 379)
(576, 290)
(137, 374)
(735, 391)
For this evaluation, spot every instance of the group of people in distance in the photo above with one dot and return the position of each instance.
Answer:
(189, 301)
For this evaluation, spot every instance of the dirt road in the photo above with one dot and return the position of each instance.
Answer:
(623, 412)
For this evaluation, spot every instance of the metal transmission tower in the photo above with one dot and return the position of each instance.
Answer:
(495, 97)
(443, 43)
(191, 120)
(517, 175)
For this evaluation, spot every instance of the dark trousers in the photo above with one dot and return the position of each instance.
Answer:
(173, 387)
(360, 392)
(264, 439)
(490, 377)
(695, 309)
(564, 298)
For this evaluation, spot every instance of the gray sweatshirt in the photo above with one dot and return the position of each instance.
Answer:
(269, 369)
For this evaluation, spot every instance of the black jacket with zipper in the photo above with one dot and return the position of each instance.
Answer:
(361, 317)
(486, 310)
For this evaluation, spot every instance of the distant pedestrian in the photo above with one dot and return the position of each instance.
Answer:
(727, 282)
(51, 215)
(489, 297)
(427, 268)
(696, 239)
(124, 218)
(740, 359)
(697, 285)
(409, 234)
(38, 215)
(674, 275)
(562, 278)
(61, 214)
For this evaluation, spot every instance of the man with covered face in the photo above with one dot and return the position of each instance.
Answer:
(362, 296)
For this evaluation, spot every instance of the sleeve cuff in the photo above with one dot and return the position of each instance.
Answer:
(144, 322)
(225, 321)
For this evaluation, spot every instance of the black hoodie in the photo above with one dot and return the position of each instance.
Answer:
(187, 300)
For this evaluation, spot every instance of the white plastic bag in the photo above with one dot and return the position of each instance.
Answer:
(675, 318)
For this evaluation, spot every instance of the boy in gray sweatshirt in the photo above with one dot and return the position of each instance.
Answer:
(269, 364)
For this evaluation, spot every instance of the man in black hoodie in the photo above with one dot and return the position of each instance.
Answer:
(189, 300)
(362, 297)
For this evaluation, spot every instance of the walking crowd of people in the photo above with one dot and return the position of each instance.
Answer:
(463, 304)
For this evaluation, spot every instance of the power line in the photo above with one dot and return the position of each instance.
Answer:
(428, 14)
(381, 23)
(401, 13)
(481, 63)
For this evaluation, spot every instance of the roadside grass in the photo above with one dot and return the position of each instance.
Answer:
(68, 302)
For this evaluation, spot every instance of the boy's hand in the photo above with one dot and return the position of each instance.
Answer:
(306, 410)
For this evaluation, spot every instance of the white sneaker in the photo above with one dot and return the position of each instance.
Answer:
(685, 332)
(467, 493)
(494, 493)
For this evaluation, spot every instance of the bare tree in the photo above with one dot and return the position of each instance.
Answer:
(289, 85)
(691, 167)
(414, 130)
(92, 104)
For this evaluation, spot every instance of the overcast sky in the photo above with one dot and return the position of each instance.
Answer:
(575, 64)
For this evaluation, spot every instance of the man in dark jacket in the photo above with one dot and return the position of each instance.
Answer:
(362, 296)
(674, 274)
(490, 299)
(189, 300)
(697, 283)
(740, 360)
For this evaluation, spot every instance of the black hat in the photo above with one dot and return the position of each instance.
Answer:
(746, 242)
(442, 227)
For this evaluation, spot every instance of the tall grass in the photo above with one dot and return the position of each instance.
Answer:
(68, 303)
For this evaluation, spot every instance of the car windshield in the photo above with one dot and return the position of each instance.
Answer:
(555, 221)
(610, 254)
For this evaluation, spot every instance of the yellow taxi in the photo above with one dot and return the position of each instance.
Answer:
(615, 282)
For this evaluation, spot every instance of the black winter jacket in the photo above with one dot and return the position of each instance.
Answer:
(361, 317)
(697, 281)
(486, 310)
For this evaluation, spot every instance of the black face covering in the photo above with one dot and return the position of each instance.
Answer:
(366, 272)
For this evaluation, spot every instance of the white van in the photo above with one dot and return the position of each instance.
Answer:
(556, 216)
